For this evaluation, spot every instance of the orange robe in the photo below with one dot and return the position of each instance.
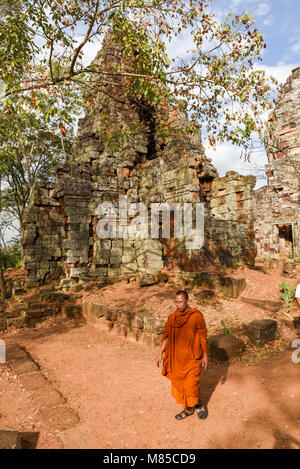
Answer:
(187, 341)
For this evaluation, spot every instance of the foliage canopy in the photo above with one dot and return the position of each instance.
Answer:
(217, 82)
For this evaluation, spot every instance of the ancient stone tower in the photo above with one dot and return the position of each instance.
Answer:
(277, 209)
(61, 239)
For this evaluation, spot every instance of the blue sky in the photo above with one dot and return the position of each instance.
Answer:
(279, 21)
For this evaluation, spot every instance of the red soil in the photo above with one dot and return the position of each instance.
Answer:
(122, 399)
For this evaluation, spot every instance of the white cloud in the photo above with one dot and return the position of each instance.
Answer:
(227, 157)
(295, 41)
(280, 71)
(180, 44)
(296, 48)
(89, 50)
(262, 9)
(269, 20)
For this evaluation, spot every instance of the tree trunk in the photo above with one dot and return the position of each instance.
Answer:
(2, 283)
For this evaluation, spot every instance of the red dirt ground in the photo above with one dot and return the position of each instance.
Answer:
(123, 401)
(159, 299)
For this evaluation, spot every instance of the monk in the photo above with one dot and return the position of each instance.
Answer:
(184, 342)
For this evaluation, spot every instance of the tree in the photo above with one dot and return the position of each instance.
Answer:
(215, 83)
(2, 282)
(11, 254)
(30, 148)
(35, 135)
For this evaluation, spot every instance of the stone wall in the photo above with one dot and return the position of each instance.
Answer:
(277, 206)
(231, 221)
(60, 239)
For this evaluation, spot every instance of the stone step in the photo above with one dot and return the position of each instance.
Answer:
(37, 313)
(33, 314)
(17, 321)
(34, 304)
(12, 314)
(52, 406)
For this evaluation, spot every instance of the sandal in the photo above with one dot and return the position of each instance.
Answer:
(202, 414)
(183, 413)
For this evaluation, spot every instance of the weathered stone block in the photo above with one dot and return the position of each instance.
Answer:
(120, 329)
(147, 280)
(261, 331)
(225, 346)
(115, 261)
(15, 352)
(70, 310)
(134, 333)
(207, 279)
(22, 366)
(151, 340)
(33, 381)
(154, 266)
(98, 272)
(92, 308)
(205, 296)
(232, 287)
(111, 314)
(128, 256)
(131, 319)
(163, 278)
(10, 439)
(129, 268)
(114, 272)
(153, 325)
(289, 269)
(33, 314)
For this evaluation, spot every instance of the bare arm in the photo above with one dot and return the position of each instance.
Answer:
(161, 351)
(202, 330)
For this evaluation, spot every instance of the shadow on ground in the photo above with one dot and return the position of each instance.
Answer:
(210, 378)
(29, 440)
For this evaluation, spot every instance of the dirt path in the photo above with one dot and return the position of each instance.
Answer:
(123, 401)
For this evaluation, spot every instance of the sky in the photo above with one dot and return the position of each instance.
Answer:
(279, 21)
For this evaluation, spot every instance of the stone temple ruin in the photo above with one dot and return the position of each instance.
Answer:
(60, 239)
(277, 205)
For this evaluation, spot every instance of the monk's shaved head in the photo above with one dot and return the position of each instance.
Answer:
(181, 300)
(183, 293)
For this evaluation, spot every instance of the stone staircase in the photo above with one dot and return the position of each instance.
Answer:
(27, 311)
